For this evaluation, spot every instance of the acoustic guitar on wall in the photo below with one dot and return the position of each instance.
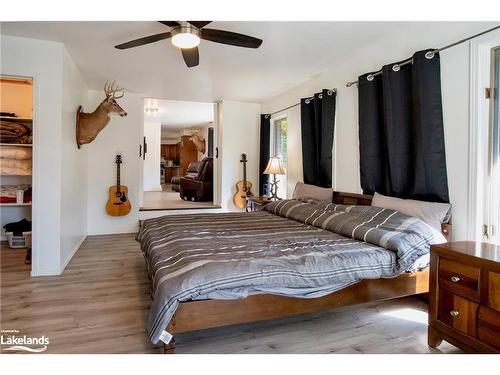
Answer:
(118, 202)
(243, 188)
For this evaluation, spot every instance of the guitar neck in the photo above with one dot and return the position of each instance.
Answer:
(118, 177)
(245, 173)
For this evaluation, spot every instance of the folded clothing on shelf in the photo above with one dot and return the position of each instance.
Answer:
(15, 152)
(18, 227)
(13, 132)
(8, 193)
(15, 167)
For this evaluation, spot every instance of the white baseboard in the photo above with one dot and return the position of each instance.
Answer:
(48, 272)
(73, 252)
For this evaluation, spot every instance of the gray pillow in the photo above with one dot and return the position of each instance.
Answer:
(432, 213)
(311, 191)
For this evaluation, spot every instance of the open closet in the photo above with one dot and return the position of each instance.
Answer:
(16, 167)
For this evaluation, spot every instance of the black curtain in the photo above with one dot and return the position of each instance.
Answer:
(317, 124)
(265, 151)
(402, 151)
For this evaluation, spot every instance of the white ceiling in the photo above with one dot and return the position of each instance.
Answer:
(176, 114)
(292, 52)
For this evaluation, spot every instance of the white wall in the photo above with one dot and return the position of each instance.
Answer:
(73, 164)
(124, 135)
(54, 77)
(239, 134)
(455, 92)
(43, 61)
(455, 89)
(151, 180)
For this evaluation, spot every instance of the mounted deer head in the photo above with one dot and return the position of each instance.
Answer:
(89, 125)
(199, 142)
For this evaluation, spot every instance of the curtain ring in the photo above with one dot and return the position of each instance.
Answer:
(429, 55)
(370, 77)
(396, 67)
(267, 116)
(308, 101)
(320, 96)
(330, 92)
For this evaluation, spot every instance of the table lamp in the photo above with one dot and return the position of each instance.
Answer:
(274, 167)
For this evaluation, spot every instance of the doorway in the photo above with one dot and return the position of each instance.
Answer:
(16, 170)
(179, 149)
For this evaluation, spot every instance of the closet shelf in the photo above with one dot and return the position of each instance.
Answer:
(23, 119)
(15, 204)
(17, 144)
(16, 175)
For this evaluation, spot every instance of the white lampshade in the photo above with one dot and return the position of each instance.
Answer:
(274, 166)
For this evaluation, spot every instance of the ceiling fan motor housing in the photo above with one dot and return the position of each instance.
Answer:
(186, 36)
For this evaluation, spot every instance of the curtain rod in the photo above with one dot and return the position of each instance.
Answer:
(428, 55)
(295, 105)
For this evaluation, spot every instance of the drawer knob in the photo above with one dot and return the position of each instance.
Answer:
(455, 279)
(454, 313)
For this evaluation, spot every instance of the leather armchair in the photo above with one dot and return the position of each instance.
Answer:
(199, 189)
(191, 172)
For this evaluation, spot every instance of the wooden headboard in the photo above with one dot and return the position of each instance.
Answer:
(366, 200)
(352, 198)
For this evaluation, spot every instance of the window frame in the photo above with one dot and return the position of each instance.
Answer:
(273, 152)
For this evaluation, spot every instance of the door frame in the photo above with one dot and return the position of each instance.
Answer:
(35, 183)
(217, 183)
(480, 78)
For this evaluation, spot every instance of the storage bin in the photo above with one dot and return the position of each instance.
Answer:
(19, 242)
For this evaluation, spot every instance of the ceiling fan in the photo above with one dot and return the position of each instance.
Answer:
(187, 37)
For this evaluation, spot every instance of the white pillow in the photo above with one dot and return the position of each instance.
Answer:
(432, 213)
(311, 191)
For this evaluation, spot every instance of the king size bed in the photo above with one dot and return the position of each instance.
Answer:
(296, 256)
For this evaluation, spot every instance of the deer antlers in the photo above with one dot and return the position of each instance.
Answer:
(110, 90)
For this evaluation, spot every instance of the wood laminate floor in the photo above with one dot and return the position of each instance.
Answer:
(169, 200)
(100, 303)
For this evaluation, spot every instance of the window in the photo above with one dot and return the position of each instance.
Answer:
(278, 148)
(492, 211)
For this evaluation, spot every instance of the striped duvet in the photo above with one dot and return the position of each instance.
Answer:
(302, 248)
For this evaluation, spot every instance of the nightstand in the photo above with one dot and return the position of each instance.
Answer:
(464, 296)
(255, 203)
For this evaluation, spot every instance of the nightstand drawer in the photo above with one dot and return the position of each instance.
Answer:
(488, 326)
(458, 312)
(459, 279)
(494, 290)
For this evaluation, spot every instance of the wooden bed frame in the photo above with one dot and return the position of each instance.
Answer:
(197, 315)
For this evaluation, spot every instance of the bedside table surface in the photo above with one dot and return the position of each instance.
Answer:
(485, 251)
(256, 199)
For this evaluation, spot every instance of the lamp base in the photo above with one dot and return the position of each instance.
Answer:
(274, 189)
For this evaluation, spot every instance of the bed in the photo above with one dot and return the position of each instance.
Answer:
(295, 257)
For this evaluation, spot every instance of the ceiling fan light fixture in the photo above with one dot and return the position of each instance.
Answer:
(185, 37)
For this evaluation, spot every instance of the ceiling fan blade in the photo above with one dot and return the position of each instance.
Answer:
(228, 37)
(170, 23)
(191, 56)
(145, 40)
(199, 24)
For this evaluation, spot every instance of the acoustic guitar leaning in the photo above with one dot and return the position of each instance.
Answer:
(243, 188)
(118, 202)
